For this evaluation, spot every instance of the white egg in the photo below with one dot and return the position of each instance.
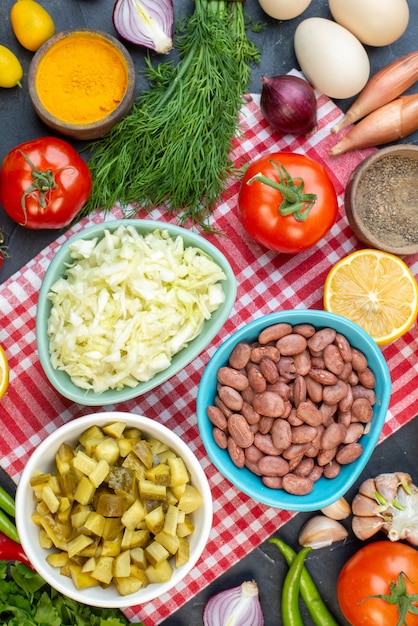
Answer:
(373, 22)
(284, 9)
(332, 59)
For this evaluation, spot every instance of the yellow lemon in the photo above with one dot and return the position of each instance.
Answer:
(4, 372)
(11, 71)
(376, 290)
(31, 24)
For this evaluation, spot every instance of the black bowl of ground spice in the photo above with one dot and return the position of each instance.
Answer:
(381, 200)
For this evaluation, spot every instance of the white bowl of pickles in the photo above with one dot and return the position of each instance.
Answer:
(113, 509)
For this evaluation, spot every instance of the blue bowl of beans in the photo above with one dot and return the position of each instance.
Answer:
(291, 406)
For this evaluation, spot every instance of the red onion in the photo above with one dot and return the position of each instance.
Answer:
(239, 606)
(147, 23)
(288, 104)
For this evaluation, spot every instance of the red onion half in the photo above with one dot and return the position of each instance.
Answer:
(288, 103)
(147, 23)
(239, 606)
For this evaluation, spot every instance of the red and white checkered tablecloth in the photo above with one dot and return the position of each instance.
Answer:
(267, 282)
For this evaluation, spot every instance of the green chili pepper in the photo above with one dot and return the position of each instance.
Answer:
(8, 528)
(7, 503)
(317, 608)
(290, 595)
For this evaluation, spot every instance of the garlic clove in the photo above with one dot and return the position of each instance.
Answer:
(387, 486)
(340, 509)
(368, 488)
(321, 531)
(366, 527)
(365, 506)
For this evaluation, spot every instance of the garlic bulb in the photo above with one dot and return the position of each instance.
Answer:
(389, 503)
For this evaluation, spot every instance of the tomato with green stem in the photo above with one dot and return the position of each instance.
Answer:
(287, 202)
(44, 183)
(378, 586)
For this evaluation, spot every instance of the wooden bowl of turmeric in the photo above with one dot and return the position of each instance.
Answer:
(82, 82)
(381, 200)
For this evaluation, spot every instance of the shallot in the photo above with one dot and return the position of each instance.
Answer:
(288, 104)
(238, 606)
(147, 23)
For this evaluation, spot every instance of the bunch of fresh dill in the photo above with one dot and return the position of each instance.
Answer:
(174, 146)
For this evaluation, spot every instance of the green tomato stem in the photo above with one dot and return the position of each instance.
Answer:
(295, 202)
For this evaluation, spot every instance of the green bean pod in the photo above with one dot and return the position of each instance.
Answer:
(317, 608)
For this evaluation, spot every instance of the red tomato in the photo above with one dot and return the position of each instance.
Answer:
(44, 183)
(258, 203)
(370, 572)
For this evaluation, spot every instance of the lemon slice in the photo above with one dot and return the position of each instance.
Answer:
(376, 290)
(4, 372)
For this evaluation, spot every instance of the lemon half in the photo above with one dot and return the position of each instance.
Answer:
(4, 372)
(376, 290)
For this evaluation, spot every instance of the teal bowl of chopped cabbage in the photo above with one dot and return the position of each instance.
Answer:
(125, 305)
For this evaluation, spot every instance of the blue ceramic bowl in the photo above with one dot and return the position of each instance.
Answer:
(61, 381)
(325, 490)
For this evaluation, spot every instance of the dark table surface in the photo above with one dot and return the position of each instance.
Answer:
(18, 123)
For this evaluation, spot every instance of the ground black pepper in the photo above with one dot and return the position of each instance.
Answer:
(388, 200)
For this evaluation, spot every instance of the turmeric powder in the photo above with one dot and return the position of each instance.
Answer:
(81, 79)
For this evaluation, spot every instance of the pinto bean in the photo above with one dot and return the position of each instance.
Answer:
(232, 378)
(292, 344)
(321, 338)
(253, 454)
(344, 347)
(265, 444)
(362, 392)
(281, 434)
(222, 406)
(303, 433)
(297, 485)
(323, 376)
(230, 397)
(250, 465)
(273, 466)
(358, 360)
(306, 330)
(309, 413)
(264, 352)
(274, 482)
(239, 430)
(282, 388)
(247, 410)
(274, 332)
(236, 453)
(316, 473)
(269, 404)
(265, 424)
(354, 431)
(240, 356)
(326, 456)
(333, 394)
(362, 410)
(333, 436)
(302, 362)
(346, 402)
(286, 368)
(349, 453)
(305, 467)
(269, 370)
(255, 378)
(220, 437)
(299, 390)
(333, 359)
(217, 417)
(314, 390)
(367, 378)
(332, 469)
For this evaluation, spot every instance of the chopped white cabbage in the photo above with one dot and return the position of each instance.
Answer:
(127, 304)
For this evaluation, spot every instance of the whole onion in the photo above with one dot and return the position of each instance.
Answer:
(288, 103)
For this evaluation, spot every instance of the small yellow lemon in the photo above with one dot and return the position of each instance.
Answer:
(11, 71)
(31, 24)
(4, 372)
(375, 289)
